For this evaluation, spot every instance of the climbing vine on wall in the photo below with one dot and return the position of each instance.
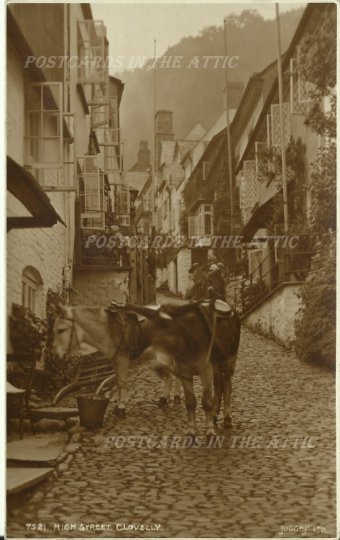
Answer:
(316, 327)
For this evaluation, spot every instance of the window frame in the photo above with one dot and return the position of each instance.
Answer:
(31, 286)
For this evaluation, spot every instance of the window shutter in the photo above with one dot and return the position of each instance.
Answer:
(261, 163)
(299, 89)
(251, 185)
(304, 87)
(276, 125)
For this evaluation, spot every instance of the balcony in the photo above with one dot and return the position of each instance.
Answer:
(92, 52)
(93, 72)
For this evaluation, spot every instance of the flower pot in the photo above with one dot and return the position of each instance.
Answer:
(92, 411)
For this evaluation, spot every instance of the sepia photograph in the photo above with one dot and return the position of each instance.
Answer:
(170, 325)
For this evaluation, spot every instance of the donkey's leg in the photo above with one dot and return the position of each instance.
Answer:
(218, 390)
(122, 367)
(207, 375)
(165, 397)
(227, 389)
(190, 402)
(177, 394)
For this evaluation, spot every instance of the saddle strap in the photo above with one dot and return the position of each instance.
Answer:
(213, 336)
(212, 326)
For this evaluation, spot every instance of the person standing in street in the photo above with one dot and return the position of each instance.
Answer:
(215, 282)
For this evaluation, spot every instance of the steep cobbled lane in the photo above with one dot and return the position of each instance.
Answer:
(273, 476)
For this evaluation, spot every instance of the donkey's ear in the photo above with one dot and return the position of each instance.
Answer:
(63, 310)
(164, 315)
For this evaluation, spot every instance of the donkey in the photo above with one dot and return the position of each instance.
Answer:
(181, 341)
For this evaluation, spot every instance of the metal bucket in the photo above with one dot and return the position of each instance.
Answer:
(92, 411)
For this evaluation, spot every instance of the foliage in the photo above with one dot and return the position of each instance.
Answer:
(315, 329)
(27, 331)
(323, 191)
(270, 169)
(317, 66)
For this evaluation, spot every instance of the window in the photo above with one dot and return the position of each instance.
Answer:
(201, 223)
(122, 200)
(91, 193)
(92, 51)
(44, 130)
(31, 289)
(113, 153)
(207, 219)
(49, 135)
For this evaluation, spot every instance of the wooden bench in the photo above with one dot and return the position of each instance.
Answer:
(92, 370)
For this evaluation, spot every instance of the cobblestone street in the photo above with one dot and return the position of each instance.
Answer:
(264, 487)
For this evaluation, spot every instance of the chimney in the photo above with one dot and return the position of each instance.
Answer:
(143, 156)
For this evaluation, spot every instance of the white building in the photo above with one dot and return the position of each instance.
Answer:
(64, 155)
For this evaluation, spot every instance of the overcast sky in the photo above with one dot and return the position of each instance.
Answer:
(132, 27)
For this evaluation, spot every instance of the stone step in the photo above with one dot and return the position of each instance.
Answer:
(39, 450)
(20, 478)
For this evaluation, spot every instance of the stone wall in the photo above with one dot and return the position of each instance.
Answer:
(99, 287)
(41, 249)
(274, 317)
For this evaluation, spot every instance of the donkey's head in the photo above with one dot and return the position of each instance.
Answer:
(65, 337)
(94, 326)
